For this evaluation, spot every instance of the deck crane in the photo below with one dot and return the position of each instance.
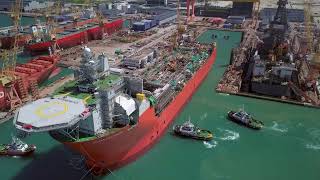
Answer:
(8, 91)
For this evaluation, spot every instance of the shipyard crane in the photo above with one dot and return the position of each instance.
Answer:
(314, 51)
(99, 15)
(192, 3)
(315, 54)
(180, 28)
(52, 22)
(7, 76)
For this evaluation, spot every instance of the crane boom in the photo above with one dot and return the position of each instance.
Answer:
(307, 19)
(9, 59)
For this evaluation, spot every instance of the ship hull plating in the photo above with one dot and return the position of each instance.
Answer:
(113, 151)
(75, 39)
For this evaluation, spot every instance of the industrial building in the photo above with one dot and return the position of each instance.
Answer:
(167, 17)
(236, 20)
(293, 15)
(237, 9)
(34, 5)
(158, 16)
(139, 60)
(28, 5)
(5, 5)
(160, 2)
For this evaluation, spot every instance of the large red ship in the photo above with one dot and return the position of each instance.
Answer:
(114, 151)
(70, 37)
(23, 38)
(111, 118)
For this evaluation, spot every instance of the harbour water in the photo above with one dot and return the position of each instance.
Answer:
(6, 20)
(287, 148)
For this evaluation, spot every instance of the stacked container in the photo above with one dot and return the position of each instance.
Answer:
(139, 26)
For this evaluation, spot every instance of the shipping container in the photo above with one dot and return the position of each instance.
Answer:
(153, 23)
(228, 26)
(147, 23)
(139, 26)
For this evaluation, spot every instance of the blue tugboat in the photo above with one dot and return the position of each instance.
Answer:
(243, 118)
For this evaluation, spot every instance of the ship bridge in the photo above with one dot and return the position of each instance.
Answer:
(49, 114)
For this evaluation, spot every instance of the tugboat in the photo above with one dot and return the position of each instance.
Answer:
(243, 118)
(191, 131)
(16, 148)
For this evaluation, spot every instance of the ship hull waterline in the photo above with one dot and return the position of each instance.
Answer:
(114, 151)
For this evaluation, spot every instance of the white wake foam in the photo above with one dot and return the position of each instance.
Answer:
(229, 135)
(223, 94)
(315, 139)
(314, 133)
(210, 144)
(276, 127)
(204, 116)
(313, 146)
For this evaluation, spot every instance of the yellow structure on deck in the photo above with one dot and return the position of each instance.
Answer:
(140, 96)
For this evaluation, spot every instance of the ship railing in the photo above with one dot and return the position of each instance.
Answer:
(164, 100)
(71, 123)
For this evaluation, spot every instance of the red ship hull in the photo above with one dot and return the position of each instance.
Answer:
(8, 42)
(78, 38)
(37, 70)
(116, 150)
(64, 42)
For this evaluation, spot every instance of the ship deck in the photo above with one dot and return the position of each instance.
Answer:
(68, 32)
(70, 88)
(50, 113)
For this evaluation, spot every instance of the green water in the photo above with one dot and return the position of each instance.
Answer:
(287, 148)
(6, 20)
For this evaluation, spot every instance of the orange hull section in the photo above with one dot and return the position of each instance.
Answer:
(114, 151)
(38, 69)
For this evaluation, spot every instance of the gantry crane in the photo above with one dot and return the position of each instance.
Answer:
(7, 76)
(180, 28)
(52, 23)
(314, 51)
